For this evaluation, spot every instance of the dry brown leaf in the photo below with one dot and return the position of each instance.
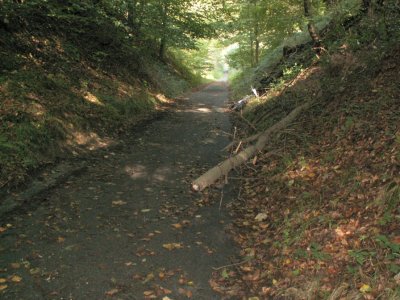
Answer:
(148, 293)
(166, 291)
(176, 226)
(118, 203)
(396, 240)
(181, 291)
(261, 217)
(161, 275)
(172, 246)
(148, 278)
(3, 287)
(16, 278)
(15, 265)
(189, 294)
(112, 292)
(252, 277)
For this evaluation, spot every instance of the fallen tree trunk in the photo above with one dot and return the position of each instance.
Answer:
(246, 140)
(212, 175)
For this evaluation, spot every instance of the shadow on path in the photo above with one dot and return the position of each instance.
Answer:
(129, 227)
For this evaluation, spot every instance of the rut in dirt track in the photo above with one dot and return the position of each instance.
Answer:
(107, 233)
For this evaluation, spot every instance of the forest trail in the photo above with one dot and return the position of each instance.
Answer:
(129, 227)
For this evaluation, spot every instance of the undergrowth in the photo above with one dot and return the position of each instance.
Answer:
(318, 215)
(70, 81)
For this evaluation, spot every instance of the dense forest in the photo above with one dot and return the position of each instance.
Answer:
(113, 114)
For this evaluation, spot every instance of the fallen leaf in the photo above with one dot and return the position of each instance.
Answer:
(15, 265)
(2, 229)
(16, 278)
(176, 226)
(365, 288)
(3, 280)
(172, 246)
(60, 239)
(187, 293)
(161, 275)
(118, 203)
(112, 292)
(3, 287)
(182, 280)
(397, 279)
(261, 217)
(253, 277)
(146, 210)
(34, 271)
(265, 290)
(165, 291)
(148, 293)
(148, 278)
(396, 240)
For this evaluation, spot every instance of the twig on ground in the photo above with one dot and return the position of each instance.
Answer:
(222, 197)
(247, 121)
(238, 147)
(230, 265)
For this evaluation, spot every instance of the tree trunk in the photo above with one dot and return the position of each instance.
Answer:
(162, 49)
(251, 52)
(312, 30)
(164, 24)
(365, 6)
(212, 175)
(256, 34)
(257, 51)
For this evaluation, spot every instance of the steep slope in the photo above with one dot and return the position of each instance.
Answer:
(317, 215)
(70, 80)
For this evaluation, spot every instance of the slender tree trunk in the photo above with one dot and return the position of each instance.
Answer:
(365, 6)
(256, 34)
(132, 14)
(164, 24)
(252, 52)
(311, 27)
(141, 14)
(257, 48)
(163, 48)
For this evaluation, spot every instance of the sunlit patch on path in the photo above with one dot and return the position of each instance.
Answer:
(129, 227)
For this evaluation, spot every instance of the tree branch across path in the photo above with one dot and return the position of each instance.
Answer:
(212, 175)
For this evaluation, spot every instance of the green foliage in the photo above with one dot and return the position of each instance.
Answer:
(317, 253)
(206, 61)
(394, 248)
(360, 256)
(259, 26)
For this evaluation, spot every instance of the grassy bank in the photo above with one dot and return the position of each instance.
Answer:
(70, 81)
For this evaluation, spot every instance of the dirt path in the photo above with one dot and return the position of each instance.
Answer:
(108, 234)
